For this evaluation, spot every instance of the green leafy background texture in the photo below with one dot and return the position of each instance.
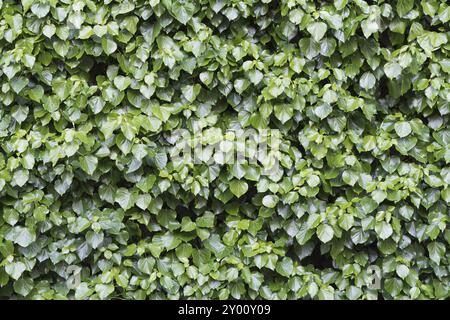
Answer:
(90, 91)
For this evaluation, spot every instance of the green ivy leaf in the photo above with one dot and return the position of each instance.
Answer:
(21, 235)
(109, 46)
(88, 164)
(325, 233)
(402, 129)
(238, 187)
(404, 6)
(317, 30)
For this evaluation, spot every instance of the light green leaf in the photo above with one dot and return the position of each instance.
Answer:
(122, 82)
(21, 235)
(392, 69)
(88, 164)
(317, 30)
(367, 80)
(15, 269)
(270, 201)
(402, 128)
(325, 233)
(109, 46)
(404, 6)
(383, 229)
(238, 187)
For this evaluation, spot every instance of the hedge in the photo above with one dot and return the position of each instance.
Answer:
(353, 189)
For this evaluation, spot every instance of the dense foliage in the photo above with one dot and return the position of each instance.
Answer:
(92, 90)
